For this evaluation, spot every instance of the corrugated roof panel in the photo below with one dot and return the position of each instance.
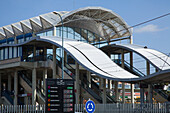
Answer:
(27, 23)
(35, 26)
(36, 20)
(9, 29)
(26, 29)
(2, 31)
(18, 26)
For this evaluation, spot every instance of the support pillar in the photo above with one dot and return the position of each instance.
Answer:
(89, 78)
(15, 88)
(34, 86)
(123, 92)
(65, 57)
(54, 62)
(123, 84)
(45, 51)
(116, 91)
(34, 51)
(44, 77)
(142, 95)
(132, 85)
(33, 34)
(77, 84)
(103, 82)
(109, 86)
(148, 68)
(25, 98)
(15, 40)
(148, 97)
(0, 85)
(131, 39)
(132, 93)
(54, 31)
(9, 82)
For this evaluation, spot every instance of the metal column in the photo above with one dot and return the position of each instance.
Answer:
(44, 77)
(9, 82)
(132, 85)
(54, 62)
(123, 84)
(34, 86)
(15, 88)
(77, 84)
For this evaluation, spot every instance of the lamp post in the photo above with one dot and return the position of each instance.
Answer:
(62, 46)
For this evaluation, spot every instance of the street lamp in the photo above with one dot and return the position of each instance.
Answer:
(62, 46)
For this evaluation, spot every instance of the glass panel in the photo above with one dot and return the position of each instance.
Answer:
(19, 51)
(64, 32)
(10, 52)
(77, 34)
(1, 54)
(70, 33)
(15, 52)
(50, 33)
(58, 51)
(57, 31)
(6, 53)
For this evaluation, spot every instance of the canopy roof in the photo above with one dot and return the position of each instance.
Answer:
(99, 20)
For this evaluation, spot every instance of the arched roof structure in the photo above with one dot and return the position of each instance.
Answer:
(157, 59)
(97, 62)
(99, 20)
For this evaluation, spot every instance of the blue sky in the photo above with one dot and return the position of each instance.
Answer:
(154, 34)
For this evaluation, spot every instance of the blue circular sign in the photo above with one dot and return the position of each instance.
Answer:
(90, 106)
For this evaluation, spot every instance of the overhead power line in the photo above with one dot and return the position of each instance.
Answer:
(147, 21)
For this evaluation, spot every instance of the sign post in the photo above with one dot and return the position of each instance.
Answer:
(60, 96)
(90, 106)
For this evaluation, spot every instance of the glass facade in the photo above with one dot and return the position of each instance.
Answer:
(10, 52)
(78, 34)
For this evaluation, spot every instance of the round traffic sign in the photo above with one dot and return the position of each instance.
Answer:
(90, 106)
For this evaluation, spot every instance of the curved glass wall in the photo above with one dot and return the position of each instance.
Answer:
(79, 34)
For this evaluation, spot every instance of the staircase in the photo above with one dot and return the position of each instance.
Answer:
(6, 96)
(27, 85)
(159, 94)
(90, 92)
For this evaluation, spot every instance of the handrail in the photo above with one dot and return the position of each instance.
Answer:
(111, 97)
(161, 93)
(67, 69)
(7, 94)
(128, 65)
(83, 85)
(25, 78)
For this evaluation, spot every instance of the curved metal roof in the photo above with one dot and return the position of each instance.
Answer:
(156, 58)
(97, 62)
(91, 58)
(102, 21)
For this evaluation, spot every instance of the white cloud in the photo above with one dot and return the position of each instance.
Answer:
(148, 28)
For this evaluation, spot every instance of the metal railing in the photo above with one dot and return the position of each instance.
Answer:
(26, 79)
(162, 93)
(22, 109)
(7, 95)
(126, 108)
(130, 67)
(99, 108)
(139, 73)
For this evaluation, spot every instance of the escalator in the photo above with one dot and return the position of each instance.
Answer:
(92, 92)
(6, 96)
(27, 85)
(158, 94)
